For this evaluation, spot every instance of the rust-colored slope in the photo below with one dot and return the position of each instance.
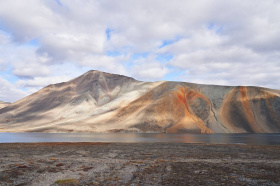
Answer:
(171, 108)
(267, 111)
(193, 114)
(237, 113)
(247, 108)
(180, 107)
(250, 110)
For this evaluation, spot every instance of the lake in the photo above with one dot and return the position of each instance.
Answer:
(250, 139)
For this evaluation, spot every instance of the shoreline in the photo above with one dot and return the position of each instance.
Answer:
(91, 163)
(239, 139)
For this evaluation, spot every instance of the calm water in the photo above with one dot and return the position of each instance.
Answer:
(252, 139)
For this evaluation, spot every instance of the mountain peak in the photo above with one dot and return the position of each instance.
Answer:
(95, 75)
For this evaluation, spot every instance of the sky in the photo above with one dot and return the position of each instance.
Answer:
(219, 42)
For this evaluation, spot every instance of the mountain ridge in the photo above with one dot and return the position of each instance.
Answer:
(102, 102)
(4, 104)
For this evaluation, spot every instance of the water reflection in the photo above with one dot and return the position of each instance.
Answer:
(252, 139)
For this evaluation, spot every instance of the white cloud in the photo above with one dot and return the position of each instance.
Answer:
(27, 69)
(212, 41)
(149, 72)
(9, 92)
(200, 39)
(216, 55)
(229, 66)
(42, 81)
(148, 69)
(106, 63)
(23, 58)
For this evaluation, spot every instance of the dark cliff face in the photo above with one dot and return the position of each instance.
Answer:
(103, 102)
(251, 110)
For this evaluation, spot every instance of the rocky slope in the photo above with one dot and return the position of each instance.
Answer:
(103, 102)
(3, 104)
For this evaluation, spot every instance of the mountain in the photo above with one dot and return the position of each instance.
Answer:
(4, 104)
(102, 102)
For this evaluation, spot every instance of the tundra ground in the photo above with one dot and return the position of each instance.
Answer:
(138, 164)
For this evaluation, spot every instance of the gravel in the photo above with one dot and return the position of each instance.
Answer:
(138, 164)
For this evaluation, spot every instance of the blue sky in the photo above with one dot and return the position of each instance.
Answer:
(204, 41)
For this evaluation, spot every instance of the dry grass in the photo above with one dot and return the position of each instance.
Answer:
(67, 182)
(53, 159)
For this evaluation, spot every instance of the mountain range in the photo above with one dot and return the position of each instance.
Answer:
(108, 103)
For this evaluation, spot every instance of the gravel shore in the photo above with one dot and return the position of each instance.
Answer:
(138, 164)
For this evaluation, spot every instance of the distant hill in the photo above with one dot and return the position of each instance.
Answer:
(103, 102)
(4, 104)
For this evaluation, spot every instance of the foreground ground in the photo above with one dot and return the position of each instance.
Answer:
(138, 164)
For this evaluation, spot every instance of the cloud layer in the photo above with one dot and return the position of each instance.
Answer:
(205, 41)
